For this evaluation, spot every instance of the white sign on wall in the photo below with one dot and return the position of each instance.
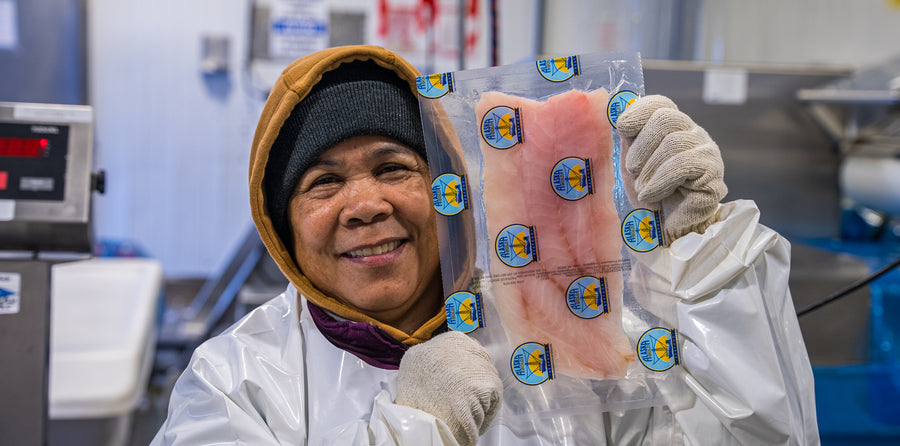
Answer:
(297, 28)
(725, 86)
(10, 289)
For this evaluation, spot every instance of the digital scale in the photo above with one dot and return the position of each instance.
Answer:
(46, 185)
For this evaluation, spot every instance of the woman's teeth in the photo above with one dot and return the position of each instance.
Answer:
(374, 251)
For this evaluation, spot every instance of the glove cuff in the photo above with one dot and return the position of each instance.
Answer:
(689, 219)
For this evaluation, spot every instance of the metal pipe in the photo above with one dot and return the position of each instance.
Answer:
(462, 34)
(495, 56)
(540, 28)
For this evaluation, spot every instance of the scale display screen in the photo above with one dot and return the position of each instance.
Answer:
(33, 161)
(24, 147)
(45, 177)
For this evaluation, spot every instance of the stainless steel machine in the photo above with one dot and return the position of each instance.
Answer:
(862, 115)
(777, 154)
(46, 185)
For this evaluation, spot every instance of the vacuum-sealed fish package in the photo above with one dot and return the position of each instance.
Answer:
(537, 236)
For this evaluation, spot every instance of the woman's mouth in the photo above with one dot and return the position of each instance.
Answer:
(374, 250)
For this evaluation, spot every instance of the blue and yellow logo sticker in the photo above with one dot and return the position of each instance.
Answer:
(641, 230)
(559, 69)
(586, 297)
(434, 86)
(618, 103)
(571, 178)
(464, 311)
(500, 127)
(531, 363)
(449, 193)
(516, 245)
(657, 349)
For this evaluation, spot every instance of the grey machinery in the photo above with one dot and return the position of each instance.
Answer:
(45, 218)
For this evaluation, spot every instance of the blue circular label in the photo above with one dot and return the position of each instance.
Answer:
(571, 178)
(618, 103)
(500, 127)
(586, 297)
(657, 349)
(559, 69)
(641, 231)
(463, 311)
(434, 86)
(530, 363)
(516, 245)
(448, 191)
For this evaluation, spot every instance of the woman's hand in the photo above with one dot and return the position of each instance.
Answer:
(670, 163)
(452, 377)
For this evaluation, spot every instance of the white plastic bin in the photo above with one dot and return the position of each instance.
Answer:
(103, 337)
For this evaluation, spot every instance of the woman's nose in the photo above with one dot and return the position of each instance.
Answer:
(365, 202)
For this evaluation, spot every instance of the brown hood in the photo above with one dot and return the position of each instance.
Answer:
(292, 87)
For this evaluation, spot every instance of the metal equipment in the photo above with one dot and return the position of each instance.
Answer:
(45, 177)
(45, 218)
(249, 278)
(862, 115)
(776, 154)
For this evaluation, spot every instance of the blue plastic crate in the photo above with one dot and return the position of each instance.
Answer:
(860, 404)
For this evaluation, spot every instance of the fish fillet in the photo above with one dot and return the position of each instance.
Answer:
(573, 237)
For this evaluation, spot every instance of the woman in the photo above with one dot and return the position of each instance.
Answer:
(354, 351)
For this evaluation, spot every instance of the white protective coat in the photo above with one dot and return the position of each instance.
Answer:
(272, 380)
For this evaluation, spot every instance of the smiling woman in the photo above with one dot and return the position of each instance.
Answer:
(340, 192)
(363, 227)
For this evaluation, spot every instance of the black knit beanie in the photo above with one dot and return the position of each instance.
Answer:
(356, 99)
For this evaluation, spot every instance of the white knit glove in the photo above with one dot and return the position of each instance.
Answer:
(452, 377)
(671, 165)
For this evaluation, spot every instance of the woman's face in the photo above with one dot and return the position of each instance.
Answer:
(364, 230)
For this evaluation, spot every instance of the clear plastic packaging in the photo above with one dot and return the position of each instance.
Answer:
(537, 236)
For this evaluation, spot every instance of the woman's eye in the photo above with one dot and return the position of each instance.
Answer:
(322, 181)
(391, 168)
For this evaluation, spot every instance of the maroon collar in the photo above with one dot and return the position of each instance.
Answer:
(367, 341)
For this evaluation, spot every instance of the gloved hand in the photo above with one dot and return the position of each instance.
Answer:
(451, 377)
(670, 164)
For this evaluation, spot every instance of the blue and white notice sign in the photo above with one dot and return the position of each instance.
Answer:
(10, 289)
(297, 28)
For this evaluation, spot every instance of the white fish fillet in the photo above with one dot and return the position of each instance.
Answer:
(517, 190)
